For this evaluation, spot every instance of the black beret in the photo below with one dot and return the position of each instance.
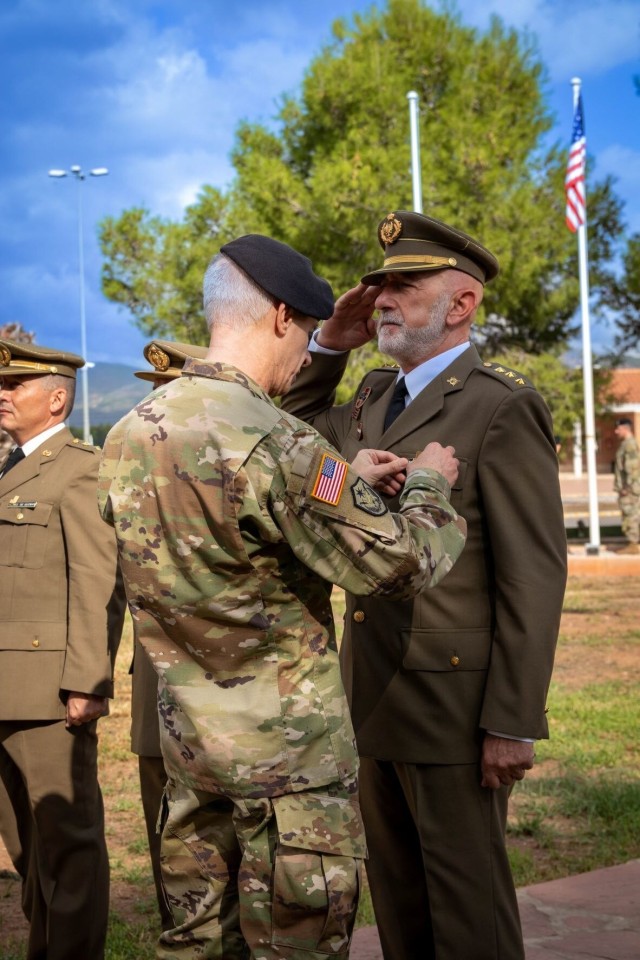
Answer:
(414, 242)
(282, 272)
(624, 422)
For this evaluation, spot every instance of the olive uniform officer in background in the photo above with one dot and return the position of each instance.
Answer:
(438, 685)
(231, 516)
(626, 483)
(167, 358)
(60, 623)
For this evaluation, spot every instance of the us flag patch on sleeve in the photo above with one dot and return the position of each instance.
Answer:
(330, 480)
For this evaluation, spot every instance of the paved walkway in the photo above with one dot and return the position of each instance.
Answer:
(593, 916)
(607, 562)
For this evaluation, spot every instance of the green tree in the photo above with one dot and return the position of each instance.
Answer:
(153, 267)
(341, 158)
(338, 158)
(623, 295)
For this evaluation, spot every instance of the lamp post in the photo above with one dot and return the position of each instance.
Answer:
(80, 176)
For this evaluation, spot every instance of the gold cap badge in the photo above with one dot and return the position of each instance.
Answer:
(158, 357)
(390, 229)
(5, 356)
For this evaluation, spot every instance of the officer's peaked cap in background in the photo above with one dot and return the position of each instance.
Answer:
(283, 273)
(413, 242)
(167, 358)
(20, 359)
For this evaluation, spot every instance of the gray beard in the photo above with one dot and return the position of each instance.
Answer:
(408, 345)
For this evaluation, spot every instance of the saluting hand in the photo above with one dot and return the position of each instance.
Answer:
(352, 324)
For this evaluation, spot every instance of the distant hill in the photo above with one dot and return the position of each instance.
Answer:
(113, 391)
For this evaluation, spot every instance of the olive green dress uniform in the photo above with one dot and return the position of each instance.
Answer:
(425, 678)
(166, 358)
(60, 623)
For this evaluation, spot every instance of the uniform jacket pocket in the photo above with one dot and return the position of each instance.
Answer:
(446, 651)
(25, 533)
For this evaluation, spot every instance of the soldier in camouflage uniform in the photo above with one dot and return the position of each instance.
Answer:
(166, 359)
(627, 483)
(232, 518)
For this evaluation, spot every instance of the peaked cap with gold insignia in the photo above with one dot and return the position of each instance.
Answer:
(414, 242)
(167, 358)
(20, 359)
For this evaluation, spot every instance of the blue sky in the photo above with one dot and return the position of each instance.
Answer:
(154, 89)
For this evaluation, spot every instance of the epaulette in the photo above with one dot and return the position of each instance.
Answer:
(83, 445)
(511, 378)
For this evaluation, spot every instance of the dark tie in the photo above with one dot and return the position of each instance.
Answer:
(397, 404)
(14, 457)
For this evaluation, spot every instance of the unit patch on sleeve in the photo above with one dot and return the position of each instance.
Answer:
(367, 499)
(330, 480)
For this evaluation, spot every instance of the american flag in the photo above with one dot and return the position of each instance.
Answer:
(330, 479)
(574, 181)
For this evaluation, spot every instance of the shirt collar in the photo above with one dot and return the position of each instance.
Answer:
(35, 442)
(422, 376)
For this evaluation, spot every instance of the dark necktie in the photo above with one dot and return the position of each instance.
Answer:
(14, 457)
(397, 404)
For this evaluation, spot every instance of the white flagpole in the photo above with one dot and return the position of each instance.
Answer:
(587, 373)
(416, 176)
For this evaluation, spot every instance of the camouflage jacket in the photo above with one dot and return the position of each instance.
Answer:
(231, 516)
(627, 468)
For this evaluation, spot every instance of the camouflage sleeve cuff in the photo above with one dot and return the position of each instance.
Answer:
(426, 479)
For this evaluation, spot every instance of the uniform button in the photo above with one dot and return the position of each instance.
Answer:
(358, 616)
(454, 661)
(35, 643)
(19, 516)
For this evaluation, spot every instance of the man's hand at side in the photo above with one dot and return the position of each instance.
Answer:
(83, 707)
(504, 761)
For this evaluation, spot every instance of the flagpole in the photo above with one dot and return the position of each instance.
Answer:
(587, 372)
(416, 176)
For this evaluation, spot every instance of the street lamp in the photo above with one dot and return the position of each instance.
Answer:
(79, 175)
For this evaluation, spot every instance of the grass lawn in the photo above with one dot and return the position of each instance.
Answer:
(577, 810)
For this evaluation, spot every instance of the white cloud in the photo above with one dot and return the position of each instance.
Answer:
(574, 37)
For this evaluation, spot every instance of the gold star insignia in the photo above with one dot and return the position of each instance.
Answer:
(453, 381)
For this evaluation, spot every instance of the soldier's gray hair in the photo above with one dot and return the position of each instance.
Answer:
(55, 381)
(231, 297)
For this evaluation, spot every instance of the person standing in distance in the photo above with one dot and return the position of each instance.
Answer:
(447, 690)
(231, 516)
(61, 611)
(626, 483)
(167, 358)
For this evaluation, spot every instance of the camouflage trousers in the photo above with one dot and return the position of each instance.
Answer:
(630, 510)
(260, 878)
